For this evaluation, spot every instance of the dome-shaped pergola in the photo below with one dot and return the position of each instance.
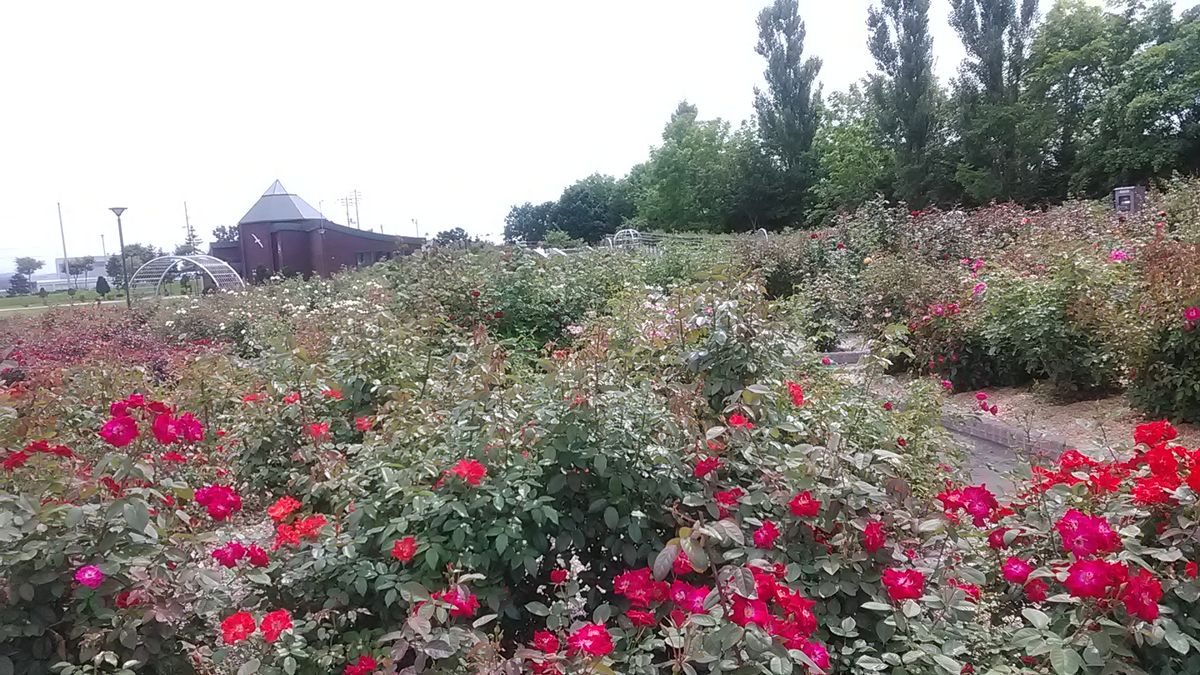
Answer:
(154, 272)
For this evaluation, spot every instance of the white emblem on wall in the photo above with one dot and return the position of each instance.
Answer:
(257, 240)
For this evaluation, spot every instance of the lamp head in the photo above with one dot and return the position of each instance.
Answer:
(118, 210)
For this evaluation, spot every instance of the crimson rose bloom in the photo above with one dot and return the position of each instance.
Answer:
(873, 536)
(1086, 535)
(463, 603)
(1141, 595)
(257, 556)
(689, 597)
(641, 617)
(739, 420)
(164, 429)
(1192, 569)
(545, 641)
(1016, 570)
(90, 576)
(797, 393)
(705, 466)
(640, 587)
(119, 431)
(591, 639)
(363, 423)
(765, 536)
(558, 576)
(282, 508)
(404, 549)
(1092, 578)
(804, 505)
(190, 428)
(318, 430)
(221, 501)
(365, 665)
(746, 612)
(904, 584)
(469, 470)
(275, 623)
(1153, 433)
(1036, 590)
(229, 554)
(817, 653)
(237, 627)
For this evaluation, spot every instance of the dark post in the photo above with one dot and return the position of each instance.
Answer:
(124, 262)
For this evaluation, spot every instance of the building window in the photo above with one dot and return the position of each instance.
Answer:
(362, 259)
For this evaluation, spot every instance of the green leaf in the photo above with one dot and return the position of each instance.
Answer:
(6, 666)
(137, 517)
(290, 665)
(1038, 618)
(501, 543)
(948, 664)
(483, 620)
(911, 608)
(665, 560)
(611, 518)
(1065, 661)
(249, 667)
(876, 606)
(537, 608)
(601, 464)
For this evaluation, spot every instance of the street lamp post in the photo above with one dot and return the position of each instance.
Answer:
(124, 264)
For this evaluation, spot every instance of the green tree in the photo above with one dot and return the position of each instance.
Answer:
(757, 193)
(687, 184)
(191, 243)
(905, 93)
(26, 265)
(1149, 121)
(137, 255)
(788, 112)
(18, 284)
(528, 222)
(225, 234)
(102, 287)
(593, 207)
(452, 235)
(78, 266)
(995, 34)
(853, 164)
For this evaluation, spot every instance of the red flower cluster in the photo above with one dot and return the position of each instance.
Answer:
(17, 458)
(796, 392)
(1153, 433)
(469, 470)
(804, 505)
(903, 584)
(220, 500)
(705, 466)
(765, 536)
(231, 552)
(462, 602)
(873, 537)
(404, 549)
(291, 535)
(240, 625)
(282, 508)
(738, 420)
(1086, 535)
(591, 639)
(169, 429)
(318, 431)
(639, 587)
(976, 500)
(365, 665)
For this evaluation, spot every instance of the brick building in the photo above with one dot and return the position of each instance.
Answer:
(283, 234)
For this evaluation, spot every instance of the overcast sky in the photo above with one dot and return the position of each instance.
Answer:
(443, 112)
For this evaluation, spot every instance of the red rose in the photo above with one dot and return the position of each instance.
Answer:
(591, 639)
(119, 431)
(1141, 595)
(558, 576)
(1016, 571)
(873, 536)
(765, 536)
(545, 641)
(469, 470)
(804, 505)
(282, 508)
(237, 627)
(641, 617)
(275, 623)
(903, 584)
(404, 549)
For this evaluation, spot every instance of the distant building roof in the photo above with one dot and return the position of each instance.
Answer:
(278, 205)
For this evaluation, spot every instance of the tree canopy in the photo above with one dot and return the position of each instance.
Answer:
(1071, 103)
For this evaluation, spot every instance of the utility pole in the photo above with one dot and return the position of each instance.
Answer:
(62, 233)
(190, 238)
(357, 221)
(346, 202)
(124, 263)
(103, 248)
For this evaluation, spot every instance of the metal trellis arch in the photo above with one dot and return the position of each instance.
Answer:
(154, 272)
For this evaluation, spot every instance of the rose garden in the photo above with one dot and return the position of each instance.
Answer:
(480, 460)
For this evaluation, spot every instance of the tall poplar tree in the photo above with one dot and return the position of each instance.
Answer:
(788, 110)
(995, 34)
(905, 92)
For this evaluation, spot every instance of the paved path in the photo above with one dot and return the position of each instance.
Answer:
(62, 304)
